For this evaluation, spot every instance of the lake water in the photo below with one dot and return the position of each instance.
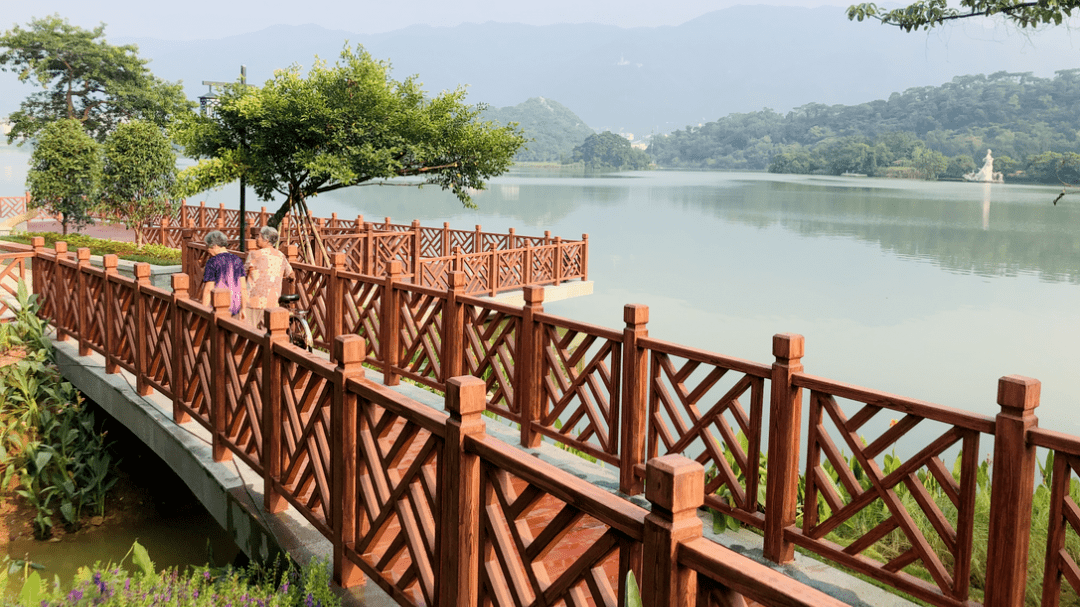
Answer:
(927, 290)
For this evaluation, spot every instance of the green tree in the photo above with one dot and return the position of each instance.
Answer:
(929, 163)
(65, 172)
(961, 165)
(84, 78)
(926, 14)
(139, 175)
(610, 151)
(344, 125)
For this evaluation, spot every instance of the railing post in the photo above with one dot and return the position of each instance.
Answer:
(350, 354)
(675, 486)
(369, 250)
(584, 257)
(163, 227)
(478, 240)
(220, 300)
(493, 270)
(526, 272)
(445, 250)
(110, 332)
(37, 282)
(460, 494)
(390, 321)
(416, 248)
(454, 323)
(335, 304)
(202, 214)
(1011, 489)
(558, 260)
(141, 309)
(263, 218)
(180, 284)
(785, 414)
(64, 330)
(81, 300)
(635, 391)
(277, 325)
(511, 239)
(530, 353)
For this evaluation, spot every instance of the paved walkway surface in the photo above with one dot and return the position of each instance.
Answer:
(112, 231)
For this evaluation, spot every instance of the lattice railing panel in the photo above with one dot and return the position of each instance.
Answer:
(362, 305)
(434, 272)
(243, 374)
(196, 369)
(305, 437)
(122, 299)
(462, 239)
(421, 322)
(477, 270)
(580, 383)
(313, 286)
(1063, 533)
(52, 278)
(543, 265)
(12, 270)
(431, 242)
(398, 513)
(10, 206)
(158, 328)
(390, 246)
(491, 353)
(916, 512)
(573, 260)
(536, 549)
(499, 241)
(511, 267)
(95, 327)
(713, 415)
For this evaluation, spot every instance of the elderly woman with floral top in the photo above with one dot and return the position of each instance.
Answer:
(266, 267)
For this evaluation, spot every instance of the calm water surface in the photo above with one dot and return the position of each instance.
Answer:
(928, 290)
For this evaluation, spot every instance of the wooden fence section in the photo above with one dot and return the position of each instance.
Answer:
(622, 397)
(420, 500)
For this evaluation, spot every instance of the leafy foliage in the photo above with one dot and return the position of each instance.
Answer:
(139, 175)
(608, 151)
(65, 172)
(552, 130)
(48, 439)
(84, 78)
(340, 126)
(927, 14)
(150, 253)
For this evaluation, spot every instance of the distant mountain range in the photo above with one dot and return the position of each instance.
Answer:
(638, 80)
(552, 130)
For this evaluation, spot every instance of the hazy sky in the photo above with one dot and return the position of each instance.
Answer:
(195, 19)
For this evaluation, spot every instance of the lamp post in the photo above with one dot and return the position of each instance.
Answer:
(207, 103)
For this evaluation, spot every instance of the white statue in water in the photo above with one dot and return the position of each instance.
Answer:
(986, 173)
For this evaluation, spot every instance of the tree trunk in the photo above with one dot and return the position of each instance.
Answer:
(282, 211)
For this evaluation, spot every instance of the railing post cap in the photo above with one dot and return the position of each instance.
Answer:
(636, 314)
(276, 319)
(109, 260)
(788, 345)
(675, 483)
(534, 294)
(220, 300)
(82, 254)
(395, 267)
(60, 247)
(37, 242)
(180, 281)
(465, 395)
(1019, 392)
(349, 350)
(456, 281)
(337, 260)
(142, 270)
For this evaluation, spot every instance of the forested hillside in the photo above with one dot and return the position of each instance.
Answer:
(552, 130)
(1020, 117)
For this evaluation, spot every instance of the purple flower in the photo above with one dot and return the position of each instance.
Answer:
(75, 595)
(127, 585)
(195, 593)
(285, 588)
(308, 602)
(206, 575)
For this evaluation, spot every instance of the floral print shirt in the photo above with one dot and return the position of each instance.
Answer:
(224, 271)
(265, 269)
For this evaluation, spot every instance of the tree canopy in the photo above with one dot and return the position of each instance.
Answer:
(138, 176)
(65, 172)
(926, 14)
(610, 151)
(84, 78)
(340, 126)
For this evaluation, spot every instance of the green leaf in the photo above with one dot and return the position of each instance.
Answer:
(30, 595)
(141, 558)
(633, 593)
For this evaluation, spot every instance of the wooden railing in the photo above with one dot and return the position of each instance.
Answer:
(625, 399)
(420, 500)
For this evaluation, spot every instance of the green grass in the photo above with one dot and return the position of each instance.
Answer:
(148, 253)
